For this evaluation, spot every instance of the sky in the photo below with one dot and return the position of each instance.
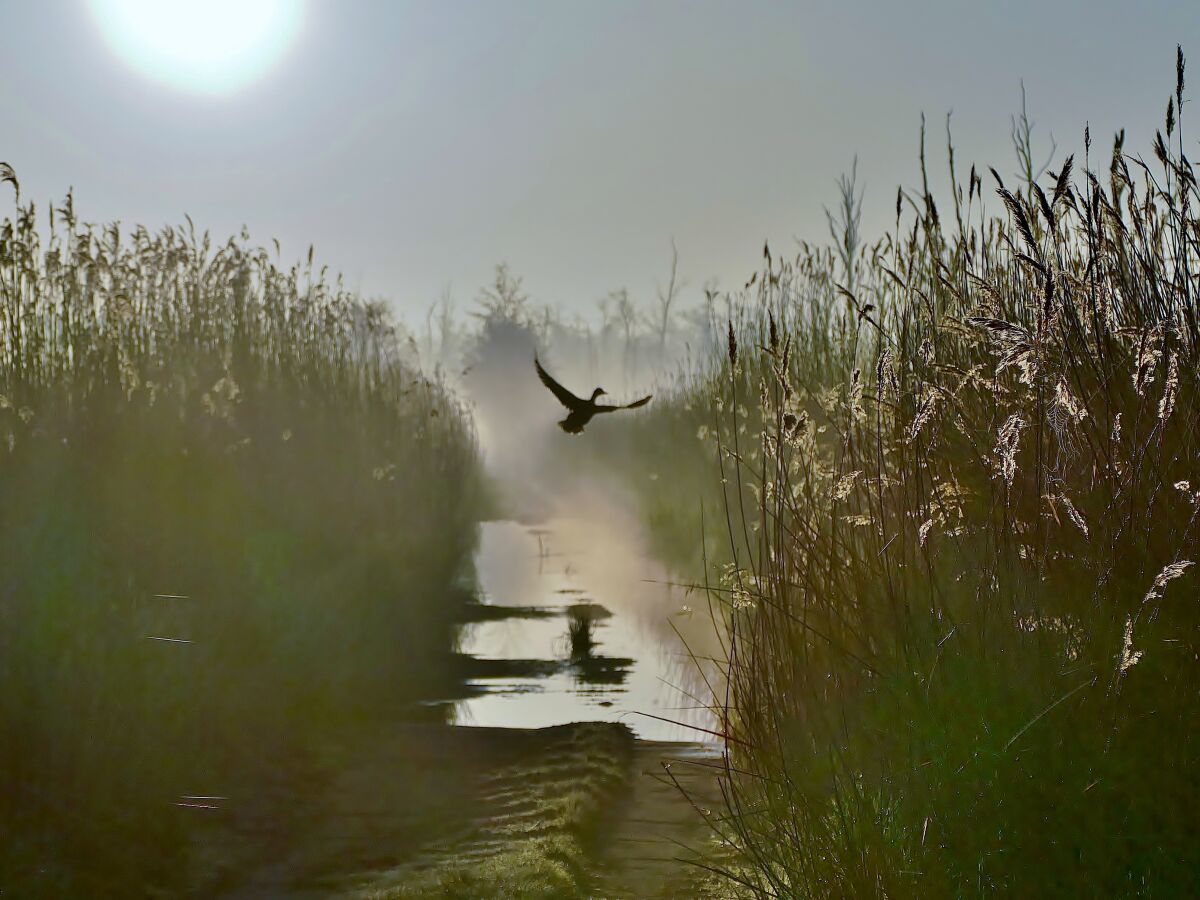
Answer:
(418, 144)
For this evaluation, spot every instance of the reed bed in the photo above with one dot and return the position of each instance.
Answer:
(233, 517)
(959, 489)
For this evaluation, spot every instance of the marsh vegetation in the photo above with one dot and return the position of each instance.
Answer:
(957, 491)
(935, 494)
(233, 520)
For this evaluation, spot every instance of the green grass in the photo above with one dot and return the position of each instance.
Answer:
(956, 483)
(200, 445)
(537, 869)
(538, 841)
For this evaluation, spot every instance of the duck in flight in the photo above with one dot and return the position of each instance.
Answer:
(580, 411)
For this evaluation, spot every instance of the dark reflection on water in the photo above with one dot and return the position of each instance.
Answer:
(575, 624)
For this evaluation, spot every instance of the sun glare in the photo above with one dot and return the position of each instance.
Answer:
(205, 46)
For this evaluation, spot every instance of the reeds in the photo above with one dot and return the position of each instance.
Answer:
(960, 506)
(231, 518)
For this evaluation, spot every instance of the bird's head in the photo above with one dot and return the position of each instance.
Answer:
(597, 392)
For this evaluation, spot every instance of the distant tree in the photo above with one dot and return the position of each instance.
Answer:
(504, 297)
(666, 297)
(630, 319)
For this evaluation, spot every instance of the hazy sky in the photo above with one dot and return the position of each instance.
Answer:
(416, 144)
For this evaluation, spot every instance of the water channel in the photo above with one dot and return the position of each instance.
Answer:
(583, 626)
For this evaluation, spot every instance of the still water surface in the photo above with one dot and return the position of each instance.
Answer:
(636, 667)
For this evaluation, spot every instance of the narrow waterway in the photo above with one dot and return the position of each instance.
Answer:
(592, 630)
(574, 623)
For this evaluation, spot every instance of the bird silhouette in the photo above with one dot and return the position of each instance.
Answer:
(580, 411)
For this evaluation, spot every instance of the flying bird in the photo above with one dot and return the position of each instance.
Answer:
(580, 411)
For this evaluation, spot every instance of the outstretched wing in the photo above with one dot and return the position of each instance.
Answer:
(634, 405)
(565, 397)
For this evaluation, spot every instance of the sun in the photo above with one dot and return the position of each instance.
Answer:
(204, 46)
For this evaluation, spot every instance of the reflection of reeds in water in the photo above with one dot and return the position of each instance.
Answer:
(582, 620)
(541, 534)
(580, 634)
(589, 666)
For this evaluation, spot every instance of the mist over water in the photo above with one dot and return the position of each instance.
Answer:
(569, 536)
(639, 671)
